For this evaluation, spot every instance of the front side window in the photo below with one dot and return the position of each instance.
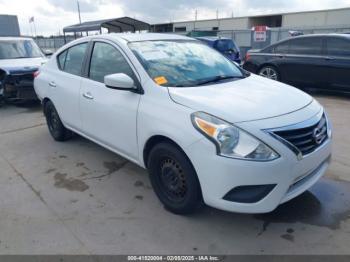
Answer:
(183, 63)
(338, 47)
(106, 60)
(71, 60)
(306, 46)
(14, 49)
(281, 48)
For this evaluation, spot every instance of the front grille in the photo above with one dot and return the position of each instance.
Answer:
(306, 139)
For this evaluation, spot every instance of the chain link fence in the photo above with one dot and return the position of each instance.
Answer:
(243, 38)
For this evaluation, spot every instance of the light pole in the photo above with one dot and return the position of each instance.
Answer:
(79, 12)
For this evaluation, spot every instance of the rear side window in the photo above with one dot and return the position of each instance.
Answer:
(306, 46)
(281, 48)
(71, 60)
(226, 45)
(106, 60)
(338, 47)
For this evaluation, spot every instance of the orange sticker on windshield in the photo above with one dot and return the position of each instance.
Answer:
(160, 80)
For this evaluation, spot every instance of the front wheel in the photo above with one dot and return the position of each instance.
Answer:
(174, 179)
(269, 72)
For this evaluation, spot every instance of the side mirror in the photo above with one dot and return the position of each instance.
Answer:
(47, 52)
(119, 81)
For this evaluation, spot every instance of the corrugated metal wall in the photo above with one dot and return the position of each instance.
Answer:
(9, 25)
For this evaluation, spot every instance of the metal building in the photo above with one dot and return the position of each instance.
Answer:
(312, 19)
(9, 25)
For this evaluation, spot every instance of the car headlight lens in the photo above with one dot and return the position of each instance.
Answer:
(230, 140)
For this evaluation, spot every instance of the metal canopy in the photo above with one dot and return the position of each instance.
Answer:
(122, 24)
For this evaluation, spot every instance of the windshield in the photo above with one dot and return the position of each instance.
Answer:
(12, 49)
(183, 63)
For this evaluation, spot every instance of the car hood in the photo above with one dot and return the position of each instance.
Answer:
(252, 98)
(21, 63)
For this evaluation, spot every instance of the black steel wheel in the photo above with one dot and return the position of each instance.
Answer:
(174, 179)
(54, 123)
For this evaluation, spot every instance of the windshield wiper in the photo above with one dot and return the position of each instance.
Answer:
(218, 79)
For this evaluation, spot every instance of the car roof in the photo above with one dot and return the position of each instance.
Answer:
(212, 38)
(347, 36)
(315, 35)
(11, 38)
(137, 37)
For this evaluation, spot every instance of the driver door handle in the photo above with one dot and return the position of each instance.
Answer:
(52, 84)
(88, 95)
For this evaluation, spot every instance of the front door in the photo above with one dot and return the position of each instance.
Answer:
(304, 64)
(109, 116)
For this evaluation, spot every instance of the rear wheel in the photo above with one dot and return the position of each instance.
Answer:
(174, 179)
(54, 123)
(269, 72)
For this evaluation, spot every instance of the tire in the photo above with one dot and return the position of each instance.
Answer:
(174, 179)
(54, 123)
(270, 72)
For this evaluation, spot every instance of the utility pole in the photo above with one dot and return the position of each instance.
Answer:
(217, 14)
(195, 19)
(79, 12)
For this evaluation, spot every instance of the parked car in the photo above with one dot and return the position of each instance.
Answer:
(203, 127)
(226, 46)
(20, 58)
(310, 61)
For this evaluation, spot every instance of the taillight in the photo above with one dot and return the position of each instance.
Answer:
(36, 73)
(247, 57)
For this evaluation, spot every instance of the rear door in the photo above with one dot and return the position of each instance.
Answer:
(65, 84)
(338, 61)
(304, 65)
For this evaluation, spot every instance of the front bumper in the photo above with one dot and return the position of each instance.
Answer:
(18, 86)
(218, 175)
(291, 177)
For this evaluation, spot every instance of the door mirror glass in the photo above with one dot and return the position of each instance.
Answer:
(119, 81)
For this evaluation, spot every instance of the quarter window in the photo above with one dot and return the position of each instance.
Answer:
(62, 60)
(338, 47)
(306, 46)
(71, 60)
(106, 60)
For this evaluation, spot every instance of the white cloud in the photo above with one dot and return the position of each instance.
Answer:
(52, 15)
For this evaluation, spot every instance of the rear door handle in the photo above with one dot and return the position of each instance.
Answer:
(52, 84)
(329, 58)
(88, 95)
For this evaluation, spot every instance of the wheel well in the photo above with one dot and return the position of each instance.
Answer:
(264, 65)
(154, 140)
(45, 100)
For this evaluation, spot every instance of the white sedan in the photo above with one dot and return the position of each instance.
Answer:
(206, 130)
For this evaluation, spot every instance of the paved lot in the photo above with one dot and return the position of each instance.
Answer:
(78, 198)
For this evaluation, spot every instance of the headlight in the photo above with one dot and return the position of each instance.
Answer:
(231, 141)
